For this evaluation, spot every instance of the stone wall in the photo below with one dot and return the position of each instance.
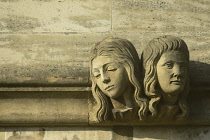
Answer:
(44, 78)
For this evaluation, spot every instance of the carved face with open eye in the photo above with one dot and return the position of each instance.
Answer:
(111, 77)
(172, 72)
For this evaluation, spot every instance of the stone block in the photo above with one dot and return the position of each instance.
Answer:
(43, 60)
(44, 106)
(55, 16)
(160, 16)
(2, 134)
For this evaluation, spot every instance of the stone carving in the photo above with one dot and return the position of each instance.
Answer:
(165, 62)
(115, 81)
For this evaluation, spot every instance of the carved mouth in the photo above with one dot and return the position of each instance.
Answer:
(109, 88)
(176, 82)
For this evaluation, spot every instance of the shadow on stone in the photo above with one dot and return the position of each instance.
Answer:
(122, 133)
(199, 74)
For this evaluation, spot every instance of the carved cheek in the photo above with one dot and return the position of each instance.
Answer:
(169, 73)
(164, 77)
(100, 83)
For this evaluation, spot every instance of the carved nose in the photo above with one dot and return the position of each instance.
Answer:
(105, 78)
(177, 71)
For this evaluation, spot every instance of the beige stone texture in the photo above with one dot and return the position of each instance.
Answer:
(26, 16)
(158, 16)
(45, 59)
(36, 106)
(61, 133)
(61, 59)
(2, 134)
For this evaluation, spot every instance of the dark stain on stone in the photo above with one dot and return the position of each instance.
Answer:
(36, 135)
(18, 23)
(15, 136)
(190, 135)
(205, 131)
(75, 137)
(42, 132)
(197, 135)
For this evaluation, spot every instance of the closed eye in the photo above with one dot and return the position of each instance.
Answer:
(111, 68)
(97, 75)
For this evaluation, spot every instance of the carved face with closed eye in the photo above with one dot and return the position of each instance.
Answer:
(115, 75)
(110, 76)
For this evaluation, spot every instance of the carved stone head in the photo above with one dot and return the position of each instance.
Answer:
(115, 80)
(166, 77)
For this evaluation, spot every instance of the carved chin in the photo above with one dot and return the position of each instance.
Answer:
(173, 90)
(114, 95)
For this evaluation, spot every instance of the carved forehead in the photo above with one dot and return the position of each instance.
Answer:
(176, 56)
(166, 43)
(100, 61)
(114, 47)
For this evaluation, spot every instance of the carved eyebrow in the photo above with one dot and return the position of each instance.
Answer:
(116, 65)
(95, 70)
(95, 73)
(112, 63)
(185, 62)
(108, 64)
(103, 66)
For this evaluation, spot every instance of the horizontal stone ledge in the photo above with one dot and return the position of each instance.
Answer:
(141, 123)
(47, 107)
(111, 123)
(70, 106)
(44, 89)
(193, 89)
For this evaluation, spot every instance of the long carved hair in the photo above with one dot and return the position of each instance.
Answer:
(150, 57)
(123, 52)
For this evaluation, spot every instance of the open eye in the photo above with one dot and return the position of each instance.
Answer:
(111, 68)
(169, 65)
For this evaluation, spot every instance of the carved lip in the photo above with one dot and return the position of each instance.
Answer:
(176, 82)
(109, 87)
